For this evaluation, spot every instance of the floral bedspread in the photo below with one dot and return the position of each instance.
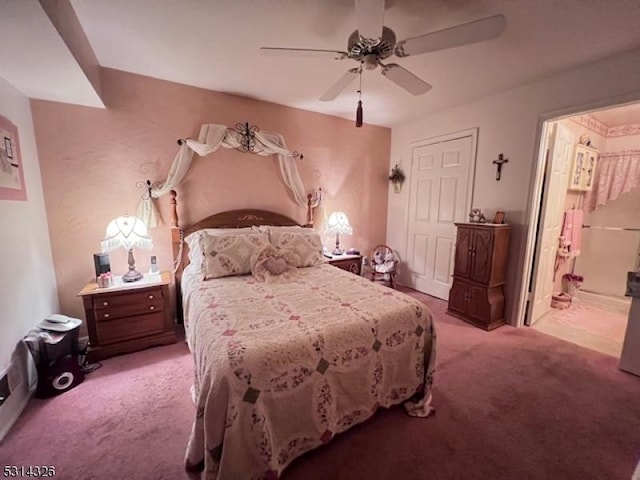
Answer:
(280, 368)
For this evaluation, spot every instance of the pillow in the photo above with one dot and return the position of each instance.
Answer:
(193, 239)
(270, 265)
(291, 228)
(230, 254)
(306, 245)
(196, 255)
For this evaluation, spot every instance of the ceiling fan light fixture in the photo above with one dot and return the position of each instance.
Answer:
(372, 42)
(370, 62)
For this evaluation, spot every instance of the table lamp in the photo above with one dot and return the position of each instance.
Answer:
(338, 223)
(127, 232)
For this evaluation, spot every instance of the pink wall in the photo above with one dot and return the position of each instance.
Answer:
(509, 122)
(91, 160)
(27, 284)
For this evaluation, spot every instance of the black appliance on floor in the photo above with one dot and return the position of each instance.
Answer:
(56, 356)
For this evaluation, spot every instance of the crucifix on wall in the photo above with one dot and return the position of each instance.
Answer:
(499, 163)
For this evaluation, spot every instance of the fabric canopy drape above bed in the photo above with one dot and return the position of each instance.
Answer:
(617, 173)
(212, 137)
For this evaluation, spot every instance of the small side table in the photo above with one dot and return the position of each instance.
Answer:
(350, 263)
(127, 317)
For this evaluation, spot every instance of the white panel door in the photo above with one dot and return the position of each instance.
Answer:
(556, 181)
(439, 196)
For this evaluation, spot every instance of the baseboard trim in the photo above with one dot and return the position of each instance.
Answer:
(13, 408)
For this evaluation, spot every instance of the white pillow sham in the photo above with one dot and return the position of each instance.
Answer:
(304, 244)
(196, 254)
(230, 254)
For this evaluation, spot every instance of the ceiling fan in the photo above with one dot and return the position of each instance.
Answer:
(373, 42)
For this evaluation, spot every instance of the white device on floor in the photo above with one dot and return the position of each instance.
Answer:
(57, 318)
(57, 322)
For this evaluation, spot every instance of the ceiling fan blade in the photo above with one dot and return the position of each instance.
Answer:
(405, 79)
(303, 52)
(370, 18)
(472, 32)
(340, 85)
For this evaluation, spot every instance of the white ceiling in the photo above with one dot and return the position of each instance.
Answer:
(35, 59)
(616, 117)
(214, 45)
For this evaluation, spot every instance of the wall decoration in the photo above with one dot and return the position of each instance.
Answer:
(11, 169)
(397, 178)
(499, 162)
(244, 138)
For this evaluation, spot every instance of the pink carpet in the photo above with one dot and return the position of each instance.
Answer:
(511, 404)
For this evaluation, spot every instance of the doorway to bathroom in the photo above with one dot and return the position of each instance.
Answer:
(588, 232)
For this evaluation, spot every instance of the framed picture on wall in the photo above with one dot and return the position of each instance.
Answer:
(12, 185)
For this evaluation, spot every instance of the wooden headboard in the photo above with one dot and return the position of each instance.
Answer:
(228, 219)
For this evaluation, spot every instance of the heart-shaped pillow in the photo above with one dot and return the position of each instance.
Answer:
(276, 265)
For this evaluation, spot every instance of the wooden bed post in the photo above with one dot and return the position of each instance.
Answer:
(176, 248)
(175, 225)
(309, 211)
(174, 209)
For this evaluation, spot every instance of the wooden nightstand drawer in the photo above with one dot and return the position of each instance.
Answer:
(128, 328)
(127, 310)
(110, 301)
(107, 314)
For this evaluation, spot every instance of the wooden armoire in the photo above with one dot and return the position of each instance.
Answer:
(477, 294)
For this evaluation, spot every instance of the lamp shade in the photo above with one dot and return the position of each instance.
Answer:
(126, 232)
(339, 223)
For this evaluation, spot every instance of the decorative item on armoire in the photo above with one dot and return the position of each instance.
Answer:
(397, 178)
(499, 162)
(476, 216)
(479, 273)
(499, 217)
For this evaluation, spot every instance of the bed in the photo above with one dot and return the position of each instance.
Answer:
(284, 365)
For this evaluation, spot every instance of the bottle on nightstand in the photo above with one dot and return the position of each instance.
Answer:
(154, 265)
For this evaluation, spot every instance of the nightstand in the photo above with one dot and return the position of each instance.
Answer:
(128, 316)
(350, 263)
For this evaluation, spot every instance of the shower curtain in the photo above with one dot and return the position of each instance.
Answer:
(611, 243)
(616, 173)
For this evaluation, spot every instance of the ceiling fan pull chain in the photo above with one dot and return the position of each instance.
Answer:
(359, 107)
